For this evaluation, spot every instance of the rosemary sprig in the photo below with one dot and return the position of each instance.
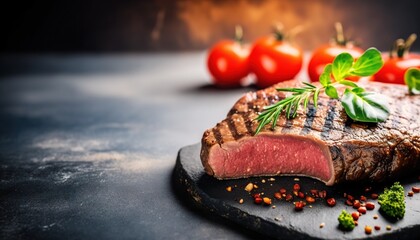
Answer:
(359, 105)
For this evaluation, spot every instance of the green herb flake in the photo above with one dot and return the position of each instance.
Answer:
(412, 80)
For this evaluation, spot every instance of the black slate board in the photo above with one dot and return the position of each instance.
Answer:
(283, 222)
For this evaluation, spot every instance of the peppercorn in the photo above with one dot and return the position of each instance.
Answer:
(229, 189)
(355, 216)
(368, 229)
(331, 202)
(362, 210)
(296, 187)
(267, 201)
(299, 206)
(289, 197)
(370, 206)
(282, 190)
(301, 195)
(377, 228)
(356, 204)
(258, 200)
(310, 199)
(277, 195)
(322, 194)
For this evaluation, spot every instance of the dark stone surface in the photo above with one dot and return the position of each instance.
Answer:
(88, 144)
(283, 222)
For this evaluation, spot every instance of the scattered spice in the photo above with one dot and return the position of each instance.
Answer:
(377, 228)
(263, 181)
(321, 225)
(367, 189)
(241, 201)
(296, 179)
(301, 195)
(296, 187)
(388, 228)
(299, 206)
(314, 192)
(289, 197)
(256, 195)
(374, 196)
(310, 199)
(322, 194)
(277, 195)
(356, 204)
(267, 201)
(370, 206)
(368, 229)
(258, 200)
(271, 179)
(375, 216)
(255, 186)
(415, 189)
(277, 219)
(362, 210)
(273, 207)
(363, 198)
(282, 190)
(229, 189)
(331, 202)
(249, 187)
(355, 216)
(410, 193)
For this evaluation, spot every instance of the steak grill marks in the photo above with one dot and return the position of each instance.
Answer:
(326, 128)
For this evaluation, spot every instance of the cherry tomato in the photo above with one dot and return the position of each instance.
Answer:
(397, 62)
(394, 68)
(326, 54)
(274, 61)
(228, 63)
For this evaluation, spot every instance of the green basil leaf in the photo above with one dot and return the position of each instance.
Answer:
(368, 64)
(342, 65)
(412, 80)
(331, 91)
(365, 106)
(325, 77)
(348, 83)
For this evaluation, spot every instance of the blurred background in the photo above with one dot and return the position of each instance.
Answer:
(185, 25)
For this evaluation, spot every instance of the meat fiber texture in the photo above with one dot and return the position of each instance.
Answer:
(322, 143)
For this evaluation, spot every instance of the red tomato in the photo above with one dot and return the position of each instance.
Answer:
(228, 63)
(274, 61)
(326, 54)
(394, 68)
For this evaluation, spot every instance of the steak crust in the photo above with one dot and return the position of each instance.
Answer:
(358, 151)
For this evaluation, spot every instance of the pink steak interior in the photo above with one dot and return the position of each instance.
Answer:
(265, 155)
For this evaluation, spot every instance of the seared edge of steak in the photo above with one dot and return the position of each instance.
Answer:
(360, 151)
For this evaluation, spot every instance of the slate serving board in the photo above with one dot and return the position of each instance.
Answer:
(283, 222)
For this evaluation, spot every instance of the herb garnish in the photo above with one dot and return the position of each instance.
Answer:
(359, 105)
(412, 80)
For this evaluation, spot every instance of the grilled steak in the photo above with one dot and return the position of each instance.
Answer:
(323, 143)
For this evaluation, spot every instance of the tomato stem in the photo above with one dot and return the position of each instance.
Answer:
(401, 47)
(278, 31)
(339, 38)
(239, 34)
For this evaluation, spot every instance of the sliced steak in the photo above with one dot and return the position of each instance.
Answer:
(323, 143)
